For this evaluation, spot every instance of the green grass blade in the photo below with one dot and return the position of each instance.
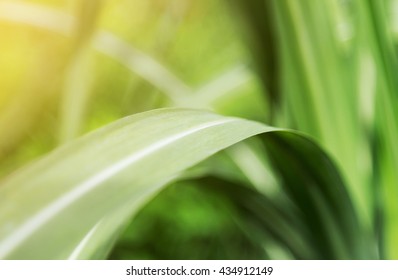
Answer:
(377, 38)
(74, 187)
(318, 190)
(313, 217)
(99, 240)
(79, 75)
(38, 16)
(76, 95)
(47, 210)
(317, 84)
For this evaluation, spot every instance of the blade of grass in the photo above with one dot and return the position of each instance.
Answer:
(100, 239)
(317, 91)
(37, 15)
(220, 86)
(319, 192)
(251, 160)
(142, 64)
(76, 94)
(81, 178)
(79, 74)
(49, 208)
(319, 211)
(377, 38)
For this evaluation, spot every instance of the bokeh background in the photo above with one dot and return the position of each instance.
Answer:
(326, 68)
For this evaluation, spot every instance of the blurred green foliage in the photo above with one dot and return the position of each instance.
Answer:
(326, 68)
(183, 35)
(196, 40)
(199, 224)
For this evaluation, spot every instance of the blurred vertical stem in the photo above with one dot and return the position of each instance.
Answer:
(341, 88)
(79, 74)
(316, 76)
(376, 36)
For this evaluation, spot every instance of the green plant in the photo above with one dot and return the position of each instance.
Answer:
(325, 190)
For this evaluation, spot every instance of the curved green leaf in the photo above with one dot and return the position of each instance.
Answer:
(317, 189)
(312, 219)
(50, 208)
